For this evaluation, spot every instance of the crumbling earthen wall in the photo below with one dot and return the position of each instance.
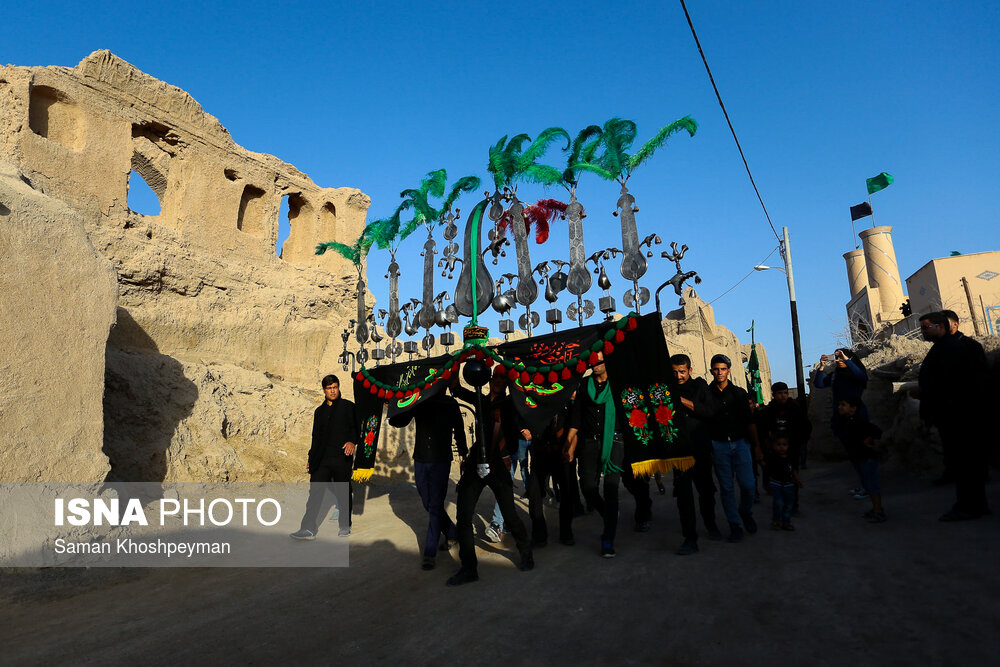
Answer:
(213, 328)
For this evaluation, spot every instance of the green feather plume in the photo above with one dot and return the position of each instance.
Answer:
(348, 251)
(509, 162)
(685, 123)
(583, 149)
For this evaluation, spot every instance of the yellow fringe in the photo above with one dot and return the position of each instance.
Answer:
(647, 468)
(362, 474)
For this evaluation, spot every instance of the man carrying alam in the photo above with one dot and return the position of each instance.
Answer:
(691, 390)
(439, 422)
(594, 439)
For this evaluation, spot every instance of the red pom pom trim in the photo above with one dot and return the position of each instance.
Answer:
(581, 366)
(592, 360)
(566, 373)
(525, 378)
(553, 377)
(619, 336)
(538, 378)
(608, 347)
(367, 383)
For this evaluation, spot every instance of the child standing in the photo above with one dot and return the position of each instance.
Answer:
(858, 435)
(783, 480)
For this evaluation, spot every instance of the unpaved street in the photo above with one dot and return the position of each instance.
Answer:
(837, 591)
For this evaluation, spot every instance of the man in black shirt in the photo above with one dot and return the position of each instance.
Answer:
(727, 410)
(439, 422)
(331, 460)
(691, 390)
(594, 438)
(496, 425)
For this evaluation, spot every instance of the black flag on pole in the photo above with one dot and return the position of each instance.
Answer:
(862, 210)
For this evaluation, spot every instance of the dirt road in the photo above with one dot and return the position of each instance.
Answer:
(837, 591)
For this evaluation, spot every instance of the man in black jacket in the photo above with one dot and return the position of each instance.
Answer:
(498, 439)
(953, 394)
(331, 461)
(439, 422)
(692, 390)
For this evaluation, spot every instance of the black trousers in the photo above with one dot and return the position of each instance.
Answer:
(639, 488)
(966, 457)
(330, 482)
(470, 487)
(545, 464)
(569, 499)
(700, 477)
(589, 455)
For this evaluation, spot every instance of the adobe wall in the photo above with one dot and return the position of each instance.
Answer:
(213, 367)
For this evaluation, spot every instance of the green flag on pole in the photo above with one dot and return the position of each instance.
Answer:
(880, 182)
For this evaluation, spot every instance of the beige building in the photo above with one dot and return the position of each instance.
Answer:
(967, 284)
(963, 283)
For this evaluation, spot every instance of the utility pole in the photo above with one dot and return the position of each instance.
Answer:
(786, 254)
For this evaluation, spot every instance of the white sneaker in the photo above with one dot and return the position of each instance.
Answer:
(494, 533)
(861, 494)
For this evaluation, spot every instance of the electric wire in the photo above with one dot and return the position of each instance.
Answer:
(752, 271)
(726, 114)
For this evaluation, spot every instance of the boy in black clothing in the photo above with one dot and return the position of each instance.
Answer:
(783, 479)
(858, 436)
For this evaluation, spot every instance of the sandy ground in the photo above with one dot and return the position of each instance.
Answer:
(837, 591)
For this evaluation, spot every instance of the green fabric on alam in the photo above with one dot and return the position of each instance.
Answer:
(880, 182)
(606, 400)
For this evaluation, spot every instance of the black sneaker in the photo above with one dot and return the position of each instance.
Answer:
(607, 549)
(689, 547)
(303, 535)
(749, 523)
(527, 562)
(462, 577)
(642, 527)
(715, 534)
(428, 563)
(735, 533)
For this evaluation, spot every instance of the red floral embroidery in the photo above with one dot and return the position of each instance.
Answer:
(369, 437)
(663, 414)
(637, 419)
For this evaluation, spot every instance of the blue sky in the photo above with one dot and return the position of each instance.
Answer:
(374, 95)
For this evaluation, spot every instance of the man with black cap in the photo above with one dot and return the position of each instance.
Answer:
(730, 427)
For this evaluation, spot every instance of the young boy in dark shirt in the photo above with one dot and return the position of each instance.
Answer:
(859, 435)
(783, 479)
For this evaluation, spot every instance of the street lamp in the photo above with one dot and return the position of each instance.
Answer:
(786, 254)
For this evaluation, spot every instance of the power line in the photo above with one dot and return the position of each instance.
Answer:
(726, 114)
(744, 277)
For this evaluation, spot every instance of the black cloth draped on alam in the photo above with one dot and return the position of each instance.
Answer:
(370, 405)
(638, 364)
(656, 435)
